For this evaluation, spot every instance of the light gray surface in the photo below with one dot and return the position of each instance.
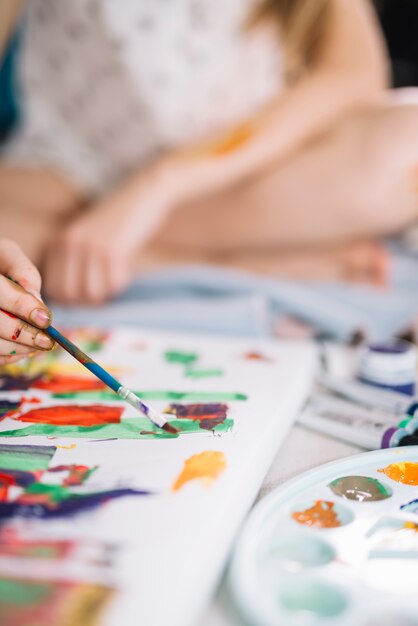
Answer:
(303, 450)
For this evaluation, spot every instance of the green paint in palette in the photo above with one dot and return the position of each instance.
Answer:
(360, 488)
(157, 395)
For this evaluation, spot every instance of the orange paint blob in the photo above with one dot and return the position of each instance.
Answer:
(321, 515)
(406, 473)
(73, 415)
(206, 466)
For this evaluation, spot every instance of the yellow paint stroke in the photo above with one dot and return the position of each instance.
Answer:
(70, 446)
(206, 466)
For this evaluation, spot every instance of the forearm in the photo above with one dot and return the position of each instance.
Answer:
(349, 73)
(302, 114)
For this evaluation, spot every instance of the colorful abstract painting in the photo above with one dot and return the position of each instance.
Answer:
(27, 488)
(102, 421)
(103, 514)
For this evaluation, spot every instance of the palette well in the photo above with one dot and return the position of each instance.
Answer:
(337, 545)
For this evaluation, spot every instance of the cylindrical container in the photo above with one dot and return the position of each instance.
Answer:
(390, 364)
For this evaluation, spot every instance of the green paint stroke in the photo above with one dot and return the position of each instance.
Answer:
(22, 593)
(164, 396)
(136, 428)
(26, 458)
(194, 373)
(182, 358)
(12, 352)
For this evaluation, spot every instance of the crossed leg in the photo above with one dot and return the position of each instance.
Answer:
(315, 216)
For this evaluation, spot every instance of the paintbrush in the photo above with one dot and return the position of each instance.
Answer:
(122, 391)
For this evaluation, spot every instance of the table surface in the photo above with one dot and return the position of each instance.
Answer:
(303, 450)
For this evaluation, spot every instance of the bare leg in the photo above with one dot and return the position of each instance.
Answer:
(35, 204)
(358, 181)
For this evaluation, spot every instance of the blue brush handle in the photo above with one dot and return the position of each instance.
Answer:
(84, 359)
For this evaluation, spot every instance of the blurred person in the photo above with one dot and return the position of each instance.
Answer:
(255, 135)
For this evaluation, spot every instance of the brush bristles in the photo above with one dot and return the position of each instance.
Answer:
(170, 429)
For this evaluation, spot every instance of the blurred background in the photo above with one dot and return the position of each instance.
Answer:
(399, 19)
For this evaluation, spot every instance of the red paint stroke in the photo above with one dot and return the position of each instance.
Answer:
(257, 356)
(67, 384)
(13, 545)
(6, 481)
(16, 333)
(77, 474)
(208, 415)
(55, 383)
(34, 400)
(74, 415)
(19, 478)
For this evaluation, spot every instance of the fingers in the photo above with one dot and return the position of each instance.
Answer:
(80, 271)
(22, 313)
(9, 348)
(65, 269)
(18, 302)
(19, 332)
(95, 286)
(16, 265)
(14, 298)
(12, 358)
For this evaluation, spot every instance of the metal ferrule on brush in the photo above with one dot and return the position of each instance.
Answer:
(129, 396)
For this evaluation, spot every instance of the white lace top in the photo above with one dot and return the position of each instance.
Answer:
(107, 85)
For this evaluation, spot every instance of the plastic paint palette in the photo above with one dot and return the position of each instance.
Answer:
(309, 554)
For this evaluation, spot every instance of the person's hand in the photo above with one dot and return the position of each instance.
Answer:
(95, 256)
(22, 312)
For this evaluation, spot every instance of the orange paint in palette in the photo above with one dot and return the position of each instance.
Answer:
(406, 473)
(334, 544)
(322, 515)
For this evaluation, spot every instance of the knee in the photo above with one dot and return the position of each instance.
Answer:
(393, 138)
(386, 165)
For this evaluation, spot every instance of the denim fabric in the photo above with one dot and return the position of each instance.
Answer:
(212, 300)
